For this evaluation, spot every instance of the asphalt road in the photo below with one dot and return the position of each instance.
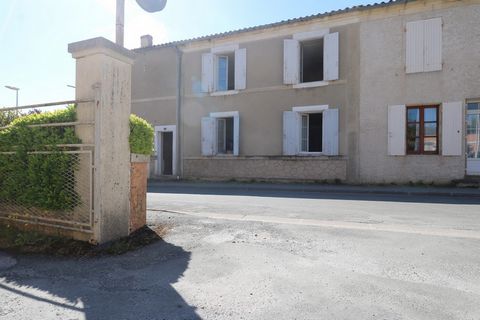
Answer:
(260, 254)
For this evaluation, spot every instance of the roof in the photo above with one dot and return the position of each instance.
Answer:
(284, 22)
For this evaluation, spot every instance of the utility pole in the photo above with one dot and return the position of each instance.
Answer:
(120, 22)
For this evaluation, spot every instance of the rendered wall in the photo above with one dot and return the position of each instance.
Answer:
(383, 82)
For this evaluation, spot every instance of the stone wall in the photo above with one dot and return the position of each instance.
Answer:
(267, 168)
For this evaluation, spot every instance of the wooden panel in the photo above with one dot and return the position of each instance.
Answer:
(397, 130)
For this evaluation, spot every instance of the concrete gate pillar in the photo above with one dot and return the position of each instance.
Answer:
(103, 73)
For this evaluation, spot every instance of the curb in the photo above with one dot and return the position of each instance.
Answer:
(340, 190)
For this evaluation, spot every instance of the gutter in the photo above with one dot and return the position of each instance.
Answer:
(178, 111)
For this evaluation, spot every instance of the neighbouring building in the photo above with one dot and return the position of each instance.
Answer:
(384, 93)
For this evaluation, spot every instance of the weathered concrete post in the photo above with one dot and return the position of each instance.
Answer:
(103, 73)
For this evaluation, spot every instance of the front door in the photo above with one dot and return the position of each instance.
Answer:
(473, 138)
(167, 153)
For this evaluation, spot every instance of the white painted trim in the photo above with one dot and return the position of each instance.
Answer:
(311, 84)
(311, 35)
(305, 154)
(228, 114)
(224, 93)
(225, 49)
(158, 149)
(310, 109)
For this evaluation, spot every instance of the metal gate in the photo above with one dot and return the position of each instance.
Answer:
(62, 198)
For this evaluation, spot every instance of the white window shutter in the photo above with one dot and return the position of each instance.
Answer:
(236, 135)
(331, 56)
(330, 132)
(291, 61)
(240, 69)
(208, 136)
(415, 43)
(207, 72)
(291, 133)
(397, 134)
(452, 128)
(433, 45)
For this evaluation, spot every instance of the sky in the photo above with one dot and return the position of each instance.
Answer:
(34, 34)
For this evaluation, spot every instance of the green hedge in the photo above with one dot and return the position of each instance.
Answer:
(141, 136)
(44, 181)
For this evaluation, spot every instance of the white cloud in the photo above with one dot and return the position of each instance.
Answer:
(137, 23)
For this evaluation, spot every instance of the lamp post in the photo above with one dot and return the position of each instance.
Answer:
(147, 5)
(16, 90)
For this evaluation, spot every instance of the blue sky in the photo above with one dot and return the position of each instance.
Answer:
(34, 34)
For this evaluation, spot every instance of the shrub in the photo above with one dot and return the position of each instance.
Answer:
(141, 136)
(38, 180)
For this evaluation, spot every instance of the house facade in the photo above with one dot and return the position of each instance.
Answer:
(387, 93)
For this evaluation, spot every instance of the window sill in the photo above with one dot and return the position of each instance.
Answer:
(311, 154)
(223, 93)
(311, 84)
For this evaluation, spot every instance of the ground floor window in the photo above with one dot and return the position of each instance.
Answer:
(225, 135)
(422, 130)
(312, 132)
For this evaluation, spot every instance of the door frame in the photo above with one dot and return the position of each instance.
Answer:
(158, 148)
(475, 173)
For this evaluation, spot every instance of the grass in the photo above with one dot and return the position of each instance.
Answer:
(22, 242)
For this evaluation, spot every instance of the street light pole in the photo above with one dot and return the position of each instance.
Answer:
(16, 90)
(120, 22)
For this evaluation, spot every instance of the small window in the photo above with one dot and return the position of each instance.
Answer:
(422, 130)
(225, 75)
(312, 132)
(311, 69)
(225, 136)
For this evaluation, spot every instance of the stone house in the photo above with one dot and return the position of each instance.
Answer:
(384, 93)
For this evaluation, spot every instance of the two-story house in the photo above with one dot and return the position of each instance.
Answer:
(384, 93)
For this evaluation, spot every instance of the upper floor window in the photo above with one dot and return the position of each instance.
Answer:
(424, 46)
(224, 69)
(311, 58)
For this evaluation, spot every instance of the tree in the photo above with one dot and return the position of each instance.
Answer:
(6, 117)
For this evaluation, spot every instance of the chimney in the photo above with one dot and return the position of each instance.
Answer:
(146, 41)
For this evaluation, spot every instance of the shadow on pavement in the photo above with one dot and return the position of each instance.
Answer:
(137, 285)
(333, 193)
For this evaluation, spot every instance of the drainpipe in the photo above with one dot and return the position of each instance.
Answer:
(179, 126)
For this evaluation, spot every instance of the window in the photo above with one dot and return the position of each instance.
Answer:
(310, 129)
(424, 45)
(225, 135)
(311, 58)
(311, 61)
(422, 130)
(312, 132)
(225, 75)
(221, 134)
(224, 70)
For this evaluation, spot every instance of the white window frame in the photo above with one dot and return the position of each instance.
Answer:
(306, 110)
(236, 132)
(239, 67)
(158, 148)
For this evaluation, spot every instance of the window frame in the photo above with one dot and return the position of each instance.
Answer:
(422, 136)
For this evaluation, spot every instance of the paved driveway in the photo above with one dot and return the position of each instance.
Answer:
(257, 254)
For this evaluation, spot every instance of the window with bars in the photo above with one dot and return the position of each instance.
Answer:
(422, 130)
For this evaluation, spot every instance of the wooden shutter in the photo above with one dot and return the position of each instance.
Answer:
(207, 72)
(240, 69)
(208, 136)
(291, 61)
(433, 45)
(452, 128)
(397, 134)
(330, 56)
(236, 135)
(415, 43)
(291, 133)
(330, 132)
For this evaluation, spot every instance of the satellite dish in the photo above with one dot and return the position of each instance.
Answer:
(152, 5)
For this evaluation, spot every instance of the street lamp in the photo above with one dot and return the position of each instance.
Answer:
(147, 5)
(16, 90)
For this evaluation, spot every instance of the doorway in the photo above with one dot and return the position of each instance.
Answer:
(473, 138)
(165, 143)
